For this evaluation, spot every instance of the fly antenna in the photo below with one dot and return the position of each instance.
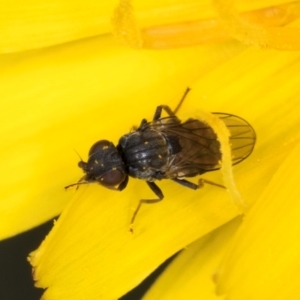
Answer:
(78, 155)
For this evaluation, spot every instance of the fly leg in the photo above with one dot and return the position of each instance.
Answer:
(167, 109)
(157, 192)
(202, 181)
(195, 186)
(181, 100)
(80, 181)
(142, 126)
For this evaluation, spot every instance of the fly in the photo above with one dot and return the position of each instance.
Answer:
(165, 148)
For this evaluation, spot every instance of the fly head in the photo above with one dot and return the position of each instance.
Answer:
(104, 166)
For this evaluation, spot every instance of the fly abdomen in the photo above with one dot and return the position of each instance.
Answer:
(145, 153)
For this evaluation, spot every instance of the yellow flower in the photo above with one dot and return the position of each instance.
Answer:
(69, 95)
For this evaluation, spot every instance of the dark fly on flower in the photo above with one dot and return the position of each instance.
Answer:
(165, 148)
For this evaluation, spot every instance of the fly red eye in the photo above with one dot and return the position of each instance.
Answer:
(99, 146)
(112, 178)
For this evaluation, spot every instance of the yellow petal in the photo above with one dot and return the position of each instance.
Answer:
(91, 248)
(117, 251)
(275, 109)
(191, 274)
(260, 86)
(256, 33)
(68, 97)
(36, 24)
(263, 262)
(97, 223)
(92, 234)
(162, 26)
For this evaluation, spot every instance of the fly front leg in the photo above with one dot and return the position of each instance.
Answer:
(80, 181)
(157, 192)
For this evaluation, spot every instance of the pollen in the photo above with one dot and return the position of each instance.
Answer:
(146, 143)
(102, 165)
(96, 162)
(159, 156)
(104, 147)
(114, 168)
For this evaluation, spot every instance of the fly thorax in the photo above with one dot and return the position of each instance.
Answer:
(145, 153)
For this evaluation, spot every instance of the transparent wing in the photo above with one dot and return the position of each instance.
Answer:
(199, 148)
(242, 136)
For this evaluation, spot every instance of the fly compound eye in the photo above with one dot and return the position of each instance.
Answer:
(112, 178)
(99, 146)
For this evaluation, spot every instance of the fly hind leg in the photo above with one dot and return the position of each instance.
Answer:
(157, 192)
(195, 186)
(202, 181)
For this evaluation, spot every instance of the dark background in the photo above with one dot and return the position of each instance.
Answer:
(16, 281)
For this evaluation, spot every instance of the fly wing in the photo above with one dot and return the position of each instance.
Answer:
(242, 136)
(199, 150)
